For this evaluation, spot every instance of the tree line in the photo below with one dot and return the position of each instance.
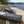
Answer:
(4, 2)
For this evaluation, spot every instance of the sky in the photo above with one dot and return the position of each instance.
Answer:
(16, 1)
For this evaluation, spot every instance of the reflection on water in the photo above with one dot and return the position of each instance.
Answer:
(20, 6)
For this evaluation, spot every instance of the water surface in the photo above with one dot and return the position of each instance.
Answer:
(20, 6)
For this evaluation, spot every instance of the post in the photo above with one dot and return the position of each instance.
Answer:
(7, 21)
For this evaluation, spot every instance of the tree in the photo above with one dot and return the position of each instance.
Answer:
(3, 1)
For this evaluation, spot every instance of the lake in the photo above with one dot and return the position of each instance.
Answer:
(20, 6)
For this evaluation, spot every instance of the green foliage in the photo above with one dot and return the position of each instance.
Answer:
(3, 1)
(2, 6)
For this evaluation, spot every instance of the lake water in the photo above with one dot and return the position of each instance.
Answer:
(20, 6)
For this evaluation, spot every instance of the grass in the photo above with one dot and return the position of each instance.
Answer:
(2, 6)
